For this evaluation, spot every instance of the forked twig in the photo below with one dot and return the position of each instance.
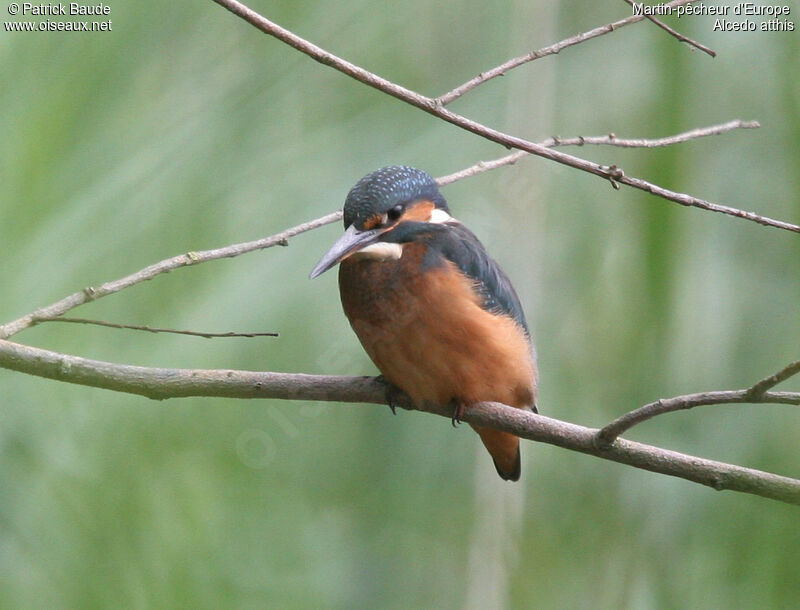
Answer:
(611, 173)
(755, 394)
(165, 383)
(543, 52)
(54, 311)
(607, 140)
(757, 390)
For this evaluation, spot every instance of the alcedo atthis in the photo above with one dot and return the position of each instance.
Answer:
(435, 313)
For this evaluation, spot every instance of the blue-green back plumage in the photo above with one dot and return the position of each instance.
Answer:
(452, 241)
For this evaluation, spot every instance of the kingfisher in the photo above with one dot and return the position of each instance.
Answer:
(435, 313)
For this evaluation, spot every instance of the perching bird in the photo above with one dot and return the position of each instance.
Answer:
(436, 314)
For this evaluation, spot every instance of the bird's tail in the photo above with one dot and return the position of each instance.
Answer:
(504, 449)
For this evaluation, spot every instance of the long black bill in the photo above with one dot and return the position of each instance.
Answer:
(352, 241)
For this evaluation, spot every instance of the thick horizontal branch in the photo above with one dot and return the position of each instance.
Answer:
(611, 173)
(552, 49)
(756, 394)
(158, 383)
(717, 475)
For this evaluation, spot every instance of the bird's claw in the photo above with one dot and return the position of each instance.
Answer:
(392, 393)
(458, 413)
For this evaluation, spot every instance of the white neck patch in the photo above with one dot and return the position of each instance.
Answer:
(381, 251)
(384, 251)
(439, 216)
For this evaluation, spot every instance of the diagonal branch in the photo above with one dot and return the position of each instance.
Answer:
(160, 384)
(482, 166)
(678, 35)
(757, 394)
(54, 311)
(430, 105)
(543, 52)
(92, 293)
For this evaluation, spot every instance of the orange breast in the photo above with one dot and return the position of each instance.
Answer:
(429, 335)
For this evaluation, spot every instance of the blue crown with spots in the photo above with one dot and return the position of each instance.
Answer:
(383, 189)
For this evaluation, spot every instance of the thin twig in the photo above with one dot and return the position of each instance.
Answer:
(165, 383)
(607, 140)
(54, 311)
(92, 293)
(552, 49)
(611, 173)
(755, 394)
(160, 384)
(612, 140)
(678, 35)
(152, 329)
(482, 166)
(758, 389)
(57, 309)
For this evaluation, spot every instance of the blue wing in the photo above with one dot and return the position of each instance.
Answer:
(452, 241)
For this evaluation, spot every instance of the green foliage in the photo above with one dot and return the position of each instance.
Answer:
(184, 128)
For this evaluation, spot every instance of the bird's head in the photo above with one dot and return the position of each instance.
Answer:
(376, 205)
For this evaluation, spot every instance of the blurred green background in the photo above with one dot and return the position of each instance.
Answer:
(184, 128)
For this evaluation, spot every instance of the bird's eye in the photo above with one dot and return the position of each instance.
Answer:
(395, 212)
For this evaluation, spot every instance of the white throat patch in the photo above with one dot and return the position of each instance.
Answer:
(384, 251)
(381, 251)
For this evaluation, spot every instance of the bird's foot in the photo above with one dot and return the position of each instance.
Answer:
(394, 395)
(458, 412)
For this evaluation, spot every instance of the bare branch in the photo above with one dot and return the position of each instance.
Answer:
(677, 34)
(53, 312)
(758, 389)
(92, 293)
(612, 140)
(552, 49)
(611, 173)
(608, 140)
(696, 202)
(151, 329)
(482, 166)
(757, 394)
(160, 384)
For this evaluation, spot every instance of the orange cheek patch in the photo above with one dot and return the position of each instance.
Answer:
(373, 221)
(420, 211)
